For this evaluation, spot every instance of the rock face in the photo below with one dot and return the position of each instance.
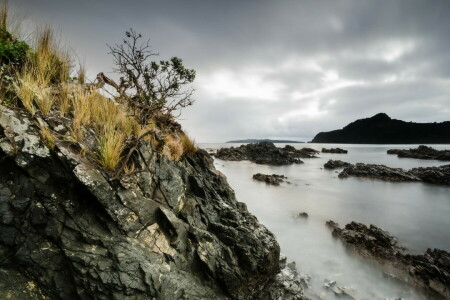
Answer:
(434, 175)
(377, 172)
(422, 152)
(430, 271)
(273, 179)
(172, 231)
(381, 129)
(334, 150)
(334, 164)
(264, 153)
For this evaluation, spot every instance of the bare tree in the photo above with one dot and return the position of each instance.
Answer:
(149, 87)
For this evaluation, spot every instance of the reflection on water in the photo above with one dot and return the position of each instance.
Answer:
(416, 213)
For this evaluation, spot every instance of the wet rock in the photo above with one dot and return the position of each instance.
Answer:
(378, 172)
(303, 215)
(421, 152)
(173, 231)
(273, 179)
(334, 150)
(338, 291)
(429, 272)
(334, 164)
(434, 175)
(264, 153)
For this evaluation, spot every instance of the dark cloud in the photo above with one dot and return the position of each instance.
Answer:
(279, 68)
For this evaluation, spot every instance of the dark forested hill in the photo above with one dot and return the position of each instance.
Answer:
(381, 129)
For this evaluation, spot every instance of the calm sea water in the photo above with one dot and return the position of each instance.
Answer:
(417, 214)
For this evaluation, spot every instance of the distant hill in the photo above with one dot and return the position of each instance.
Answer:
(265, 140)
(381, 129)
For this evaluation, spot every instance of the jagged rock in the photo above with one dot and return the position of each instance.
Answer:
(334, 150)
(422, 152)
(378, 172)
(435, 175)
(334, 164)
(172, 231)
(264, 153)
(273, 179)
(430, 271)
(338, 291)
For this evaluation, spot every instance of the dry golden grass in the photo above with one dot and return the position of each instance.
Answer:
(173, 149)
(44, 100)
(50, 61)
(26, 88)
(81, 76)
(4, 15)
(64, 101)
(47, 136)
(189, 147)
(110, 147)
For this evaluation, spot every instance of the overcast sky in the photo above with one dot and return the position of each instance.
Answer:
(277, 69)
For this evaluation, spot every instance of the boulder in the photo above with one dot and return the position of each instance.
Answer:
(335, 164)
(334, 150)
(273, 179)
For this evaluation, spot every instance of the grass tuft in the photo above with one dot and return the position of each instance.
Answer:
(47, 136)
(189, 147)
(173, 149)
(26, 91)
(110, 148)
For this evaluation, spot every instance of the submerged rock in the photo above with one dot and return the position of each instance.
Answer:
(430, 271)
(264, 153)
(173, 231)
(334, 164)
(273, 179)
(334, 150)
(422, 152)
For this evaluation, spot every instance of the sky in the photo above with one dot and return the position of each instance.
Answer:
(276, 69)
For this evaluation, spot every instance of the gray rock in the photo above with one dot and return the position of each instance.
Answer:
(173, 231)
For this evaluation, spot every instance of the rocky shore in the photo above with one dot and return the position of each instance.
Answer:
(273, 179)
(266, 153)
(421, 152)
(334, 150)
(171, 231)
(430, 272)
(434, 175)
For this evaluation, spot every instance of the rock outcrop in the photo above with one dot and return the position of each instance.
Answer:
(421, 152)
(334, 150)
(377, 172)
(335, 164)
(273, 179)
(172, 231)
(381, 129)
(434, 175)
(430, 271)
(264, 153)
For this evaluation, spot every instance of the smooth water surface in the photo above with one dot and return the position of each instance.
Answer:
(417, 214)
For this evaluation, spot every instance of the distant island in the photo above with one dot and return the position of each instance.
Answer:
(265, 140)
(381, 129)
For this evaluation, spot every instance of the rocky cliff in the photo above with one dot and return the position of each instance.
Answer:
(381, 129)
(171, 231)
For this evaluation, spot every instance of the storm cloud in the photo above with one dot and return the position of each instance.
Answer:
(278, 69)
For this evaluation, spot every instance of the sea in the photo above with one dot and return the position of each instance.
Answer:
(417, 214)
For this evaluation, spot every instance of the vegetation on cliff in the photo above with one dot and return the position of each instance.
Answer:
(39, 76)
